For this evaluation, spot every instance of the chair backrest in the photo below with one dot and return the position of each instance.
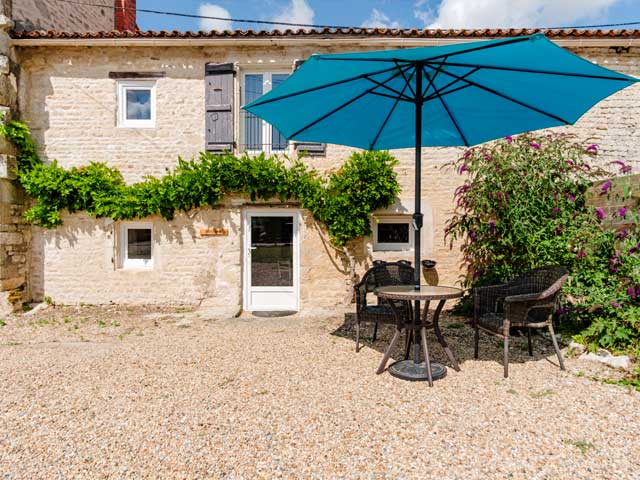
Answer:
(540, 279)
(383, 274)
(393, 273)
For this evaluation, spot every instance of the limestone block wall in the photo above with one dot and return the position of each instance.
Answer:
(69, 101)
(96, 15)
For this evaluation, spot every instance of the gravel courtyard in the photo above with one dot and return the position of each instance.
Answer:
(93, 392)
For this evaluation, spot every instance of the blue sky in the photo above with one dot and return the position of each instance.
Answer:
(391, 13)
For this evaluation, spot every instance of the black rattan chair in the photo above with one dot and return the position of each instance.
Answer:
(380, 275)
(528, 301)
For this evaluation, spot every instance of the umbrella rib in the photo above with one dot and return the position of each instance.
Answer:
(404, 98)
(441, 93)
(320, 87)
(541, 72)
(453, 82)
(386, 120)
(340, 107)
(506, 97)
(390, 89)
(407, 80)
(455, 122)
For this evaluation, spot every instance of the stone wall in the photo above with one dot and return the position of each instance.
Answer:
(14, 234)
(69, 101)
(63, 16)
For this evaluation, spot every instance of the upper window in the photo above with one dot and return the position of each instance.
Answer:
(136, 104)
(393, 233)
(258, 135)
(137, 250)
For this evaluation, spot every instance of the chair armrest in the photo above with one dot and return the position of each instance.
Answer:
(546, 294)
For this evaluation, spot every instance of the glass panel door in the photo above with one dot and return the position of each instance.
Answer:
(271, 261)
(271, 251)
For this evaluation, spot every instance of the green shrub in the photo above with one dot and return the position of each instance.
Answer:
(524, 205)
(343, 202)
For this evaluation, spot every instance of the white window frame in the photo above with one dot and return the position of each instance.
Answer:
(123, 87)
(392, 247)
(266, 127)
(134, 263)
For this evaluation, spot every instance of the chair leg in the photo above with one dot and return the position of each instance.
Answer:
(387, 353)
(375, 331)
(555, 346)
(476, 339)
(529, 342)
(506, 356)
(357, 336)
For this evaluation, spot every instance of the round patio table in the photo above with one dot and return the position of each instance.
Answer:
(415, 369)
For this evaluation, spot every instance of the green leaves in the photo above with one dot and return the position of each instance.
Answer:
(523, 205)
(343, 202)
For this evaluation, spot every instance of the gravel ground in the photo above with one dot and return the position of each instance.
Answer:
(131, 393)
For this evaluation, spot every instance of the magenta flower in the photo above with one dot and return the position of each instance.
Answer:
(492, 226)
(635, 248)
(622, 234)
(581, 254)
(626, 169)
(467, 154)
(559, 229)
(592, 148)
(535, 145)
(587, 167)
(509, 138)
(615, 305)
(605, 187)
(570, 163)
(556, 209)
(570, 197)
(487, 157)
(622, 212)
(631, 292)
(600, 213)
(463, 168)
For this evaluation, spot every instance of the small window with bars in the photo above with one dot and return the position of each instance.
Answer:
(393, 233)
(256, 135)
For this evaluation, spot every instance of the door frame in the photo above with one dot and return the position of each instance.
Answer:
(246, 262)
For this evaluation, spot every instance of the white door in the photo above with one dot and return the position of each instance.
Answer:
(271, 261)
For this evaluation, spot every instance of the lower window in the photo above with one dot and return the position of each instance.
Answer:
(137, 249)
(393, 233)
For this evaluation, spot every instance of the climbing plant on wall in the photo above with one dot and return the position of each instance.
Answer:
(342, 201)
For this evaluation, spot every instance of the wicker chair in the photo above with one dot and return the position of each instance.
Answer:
(380, 275)
(528, 301)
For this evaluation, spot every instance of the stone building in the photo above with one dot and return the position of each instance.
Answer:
(139, 100)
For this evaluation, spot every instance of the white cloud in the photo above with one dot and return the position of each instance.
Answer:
(511, 13)
(380, 20)
(211, 10)
(296, 11)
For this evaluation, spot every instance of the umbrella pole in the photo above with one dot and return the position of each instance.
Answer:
(417, 216)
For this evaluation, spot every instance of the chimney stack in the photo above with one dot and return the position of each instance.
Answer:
(125, 15)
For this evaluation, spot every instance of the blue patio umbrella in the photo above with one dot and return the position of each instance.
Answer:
(453, 95)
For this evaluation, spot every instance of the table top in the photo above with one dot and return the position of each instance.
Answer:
(426, 292)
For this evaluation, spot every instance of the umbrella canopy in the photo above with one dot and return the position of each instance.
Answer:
(470, 93)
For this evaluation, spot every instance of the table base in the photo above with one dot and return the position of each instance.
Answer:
(409, 370)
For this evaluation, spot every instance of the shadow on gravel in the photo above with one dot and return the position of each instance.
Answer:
(458, 334)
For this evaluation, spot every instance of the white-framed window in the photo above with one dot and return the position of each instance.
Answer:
(256, 135)
(137, 245)
(393, 233)
(136, 104)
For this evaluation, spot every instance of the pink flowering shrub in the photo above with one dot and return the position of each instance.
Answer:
(522, 204)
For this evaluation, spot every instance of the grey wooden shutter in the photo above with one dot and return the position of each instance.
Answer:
(219, 107)
(313, 149)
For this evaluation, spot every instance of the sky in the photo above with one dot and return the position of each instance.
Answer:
(389, 13)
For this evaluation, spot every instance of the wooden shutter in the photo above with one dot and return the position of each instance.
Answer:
(313, 149)
(219, 107)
